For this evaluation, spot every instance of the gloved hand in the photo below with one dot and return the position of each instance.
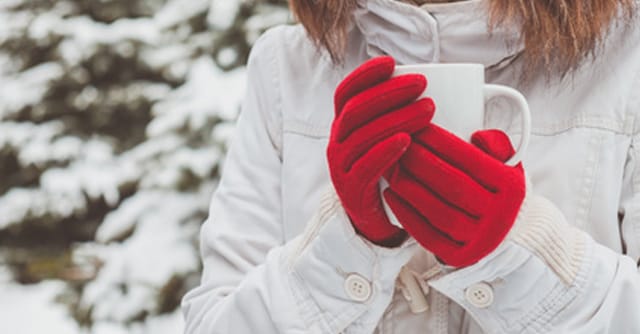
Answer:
(375, 116)
(458, 200)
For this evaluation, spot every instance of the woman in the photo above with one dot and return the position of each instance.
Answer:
(298, 241)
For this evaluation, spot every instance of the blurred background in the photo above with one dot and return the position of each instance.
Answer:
(114, 119)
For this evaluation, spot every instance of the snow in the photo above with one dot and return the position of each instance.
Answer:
(10, 3)
(207, 91)
(31, 309)
(267, 16)
(165, 55)
(165, 324)
(12, 23)
(15, 134)
(224, 132)
(177, 11)
(199, 161)
(59, 149)
(87, 33)
(125, 218)
(222, 13)
(19, 204)
(227, 56)
(95, 179)
(147, 238)
(5, 276)
(63, 192)
(83, 35)
(28, 87)
(156, 251)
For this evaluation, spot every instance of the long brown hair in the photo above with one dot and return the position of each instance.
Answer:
(557, 34)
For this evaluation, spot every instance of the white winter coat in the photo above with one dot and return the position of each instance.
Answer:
(280, 256)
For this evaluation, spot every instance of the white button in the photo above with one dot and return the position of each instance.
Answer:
(357, 288)
(479, 295)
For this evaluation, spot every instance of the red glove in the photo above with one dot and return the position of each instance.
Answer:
(458, 200)
(375, 116)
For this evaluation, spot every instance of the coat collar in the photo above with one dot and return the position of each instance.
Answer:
(434, 33)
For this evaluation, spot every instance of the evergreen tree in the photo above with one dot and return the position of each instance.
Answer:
(113, 121)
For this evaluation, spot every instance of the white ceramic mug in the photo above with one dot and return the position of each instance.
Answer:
(460, 95)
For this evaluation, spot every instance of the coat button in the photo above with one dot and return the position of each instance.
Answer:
(479, 295)
(357, 288)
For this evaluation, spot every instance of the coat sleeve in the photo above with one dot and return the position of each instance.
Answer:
(326, 280)
(550, 277)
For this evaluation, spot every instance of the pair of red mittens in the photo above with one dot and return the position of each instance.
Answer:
(457, 199)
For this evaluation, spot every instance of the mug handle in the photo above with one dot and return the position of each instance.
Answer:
(492, 91)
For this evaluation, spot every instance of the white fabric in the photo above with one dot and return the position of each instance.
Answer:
(441, 33)
(278, 249)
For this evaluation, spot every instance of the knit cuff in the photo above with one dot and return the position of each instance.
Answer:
(542, 229)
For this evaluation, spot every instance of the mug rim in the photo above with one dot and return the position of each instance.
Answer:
(440, 65)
